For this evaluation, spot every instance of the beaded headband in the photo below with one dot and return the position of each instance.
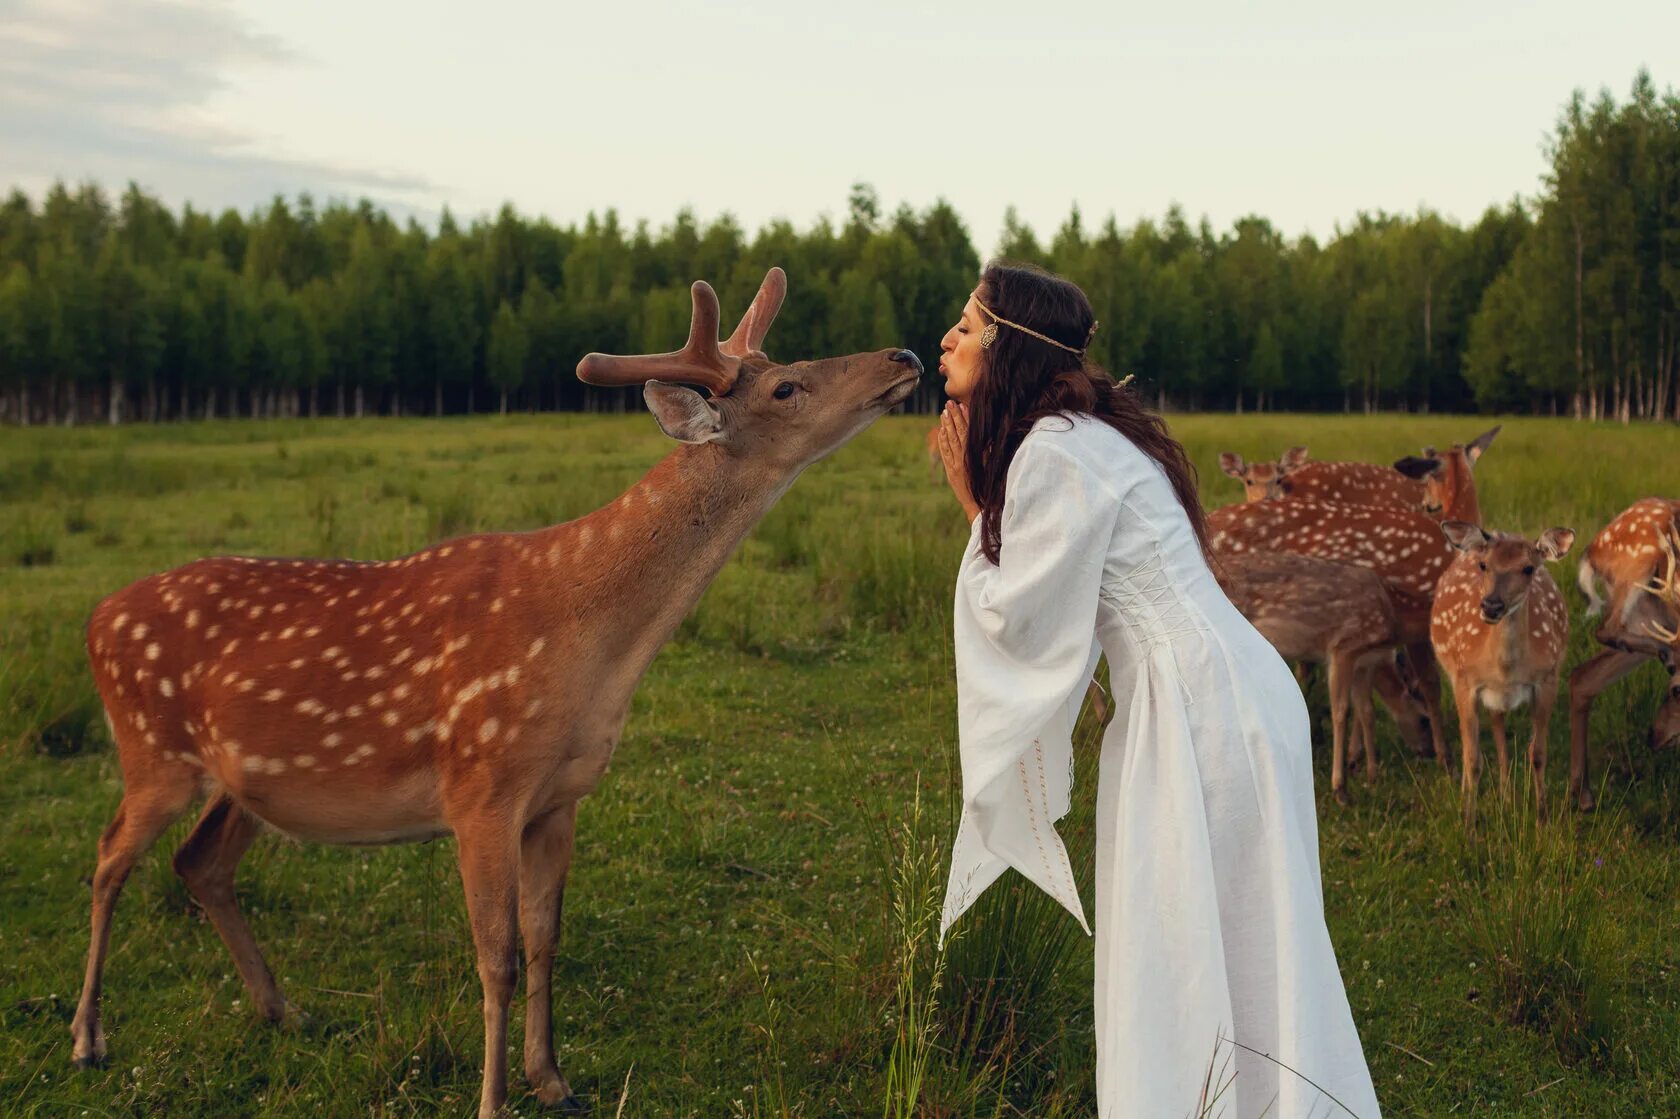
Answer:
(989, 334)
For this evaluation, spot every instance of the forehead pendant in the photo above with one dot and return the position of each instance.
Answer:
(988, 336)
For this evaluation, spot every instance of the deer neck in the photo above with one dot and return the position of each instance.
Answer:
(1463, 505)
(636, 567)
(1513, 637)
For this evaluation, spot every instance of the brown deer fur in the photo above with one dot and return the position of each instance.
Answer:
(1500, 628)
(477, 688)
(1319, 610)
(1631, 555)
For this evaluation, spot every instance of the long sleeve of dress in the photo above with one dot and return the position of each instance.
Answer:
(1025, 650)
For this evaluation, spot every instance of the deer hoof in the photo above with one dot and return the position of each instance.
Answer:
(571, 1105)
(1342, 796)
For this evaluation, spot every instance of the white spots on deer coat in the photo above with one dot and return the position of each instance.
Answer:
(153, 650)
(536, 648)
(310, 707)
(192, 619)
(273, 695)
(332, 740)
(389, 718)
(166, 686)
(304, 761)
(487, 730)
(139, 631)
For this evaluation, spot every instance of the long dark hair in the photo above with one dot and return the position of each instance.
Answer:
(1023, 379)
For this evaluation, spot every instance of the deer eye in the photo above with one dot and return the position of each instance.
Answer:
(1529, 570)
(783, 390)
(1481, 565)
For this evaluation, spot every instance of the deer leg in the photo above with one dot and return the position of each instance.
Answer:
(1496, 717)
(1341, 669)
(545, 855)
(1422, 657)
(1544, 699)
(206, 863)
(1469, 730)
(489, 861)
(1415, 726)
(1588, 679)
(1365, 719)
(141, 817)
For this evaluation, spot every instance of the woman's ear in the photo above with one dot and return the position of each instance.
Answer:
(683, 414)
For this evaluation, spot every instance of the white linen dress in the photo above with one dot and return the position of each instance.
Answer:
(1209, 910)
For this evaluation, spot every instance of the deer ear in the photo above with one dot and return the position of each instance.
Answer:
(1481, 443)
(1555, 543)
(683, 414)
(1418, 468)
(1292, 459)
(1231, 464)
(1464, 536)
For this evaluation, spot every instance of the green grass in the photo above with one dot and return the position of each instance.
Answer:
(747, 924)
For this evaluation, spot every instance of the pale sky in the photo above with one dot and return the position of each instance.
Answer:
(1305, 113)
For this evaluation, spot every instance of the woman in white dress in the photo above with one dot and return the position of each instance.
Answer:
(1088, 538)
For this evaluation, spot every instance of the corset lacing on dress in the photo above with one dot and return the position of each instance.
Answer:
(1153, 611)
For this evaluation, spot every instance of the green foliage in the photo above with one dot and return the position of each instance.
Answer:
(1568, 302)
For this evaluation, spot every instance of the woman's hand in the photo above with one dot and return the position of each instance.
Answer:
(953, 443)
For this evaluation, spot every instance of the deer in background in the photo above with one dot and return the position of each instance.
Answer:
(1333, 613)
(1449, 489)
(1403, 547)
(1439, 484)
(1500, 629)
(1261, 481)
(476, 688)
(1634, 555)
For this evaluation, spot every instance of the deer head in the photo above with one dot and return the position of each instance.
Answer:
(1447, 483)
(1261, 480)
(1505, 564)
(791, 415)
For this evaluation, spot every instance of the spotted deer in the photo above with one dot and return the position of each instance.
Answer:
(1333, 613)
(1404, 547)
(1449, 488)
(1634, 557)
(1440, 484)
(1500, 629)
(476, 688)
(1262, 481)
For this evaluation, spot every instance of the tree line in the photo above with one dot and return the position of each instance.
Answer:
(1568, 302)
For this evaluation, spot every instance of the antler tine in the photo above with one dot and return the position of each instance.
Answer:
(755, 324)
(699, 362)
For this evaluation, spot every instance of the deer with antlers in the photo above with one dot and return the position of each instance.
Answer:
(1634, 556)
(1319, 610)
(476, 688)
(1500, 629)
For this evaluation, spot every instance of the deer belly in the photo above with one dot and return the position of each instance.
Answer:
(406, 810)
(1505, 697)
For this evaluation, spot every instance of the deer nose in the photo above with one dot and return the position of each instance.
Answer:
(906, 357)
(1492, 608)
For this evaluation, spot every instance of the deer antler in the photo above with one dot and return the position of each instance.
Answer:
(701, 361)
(1666, 586)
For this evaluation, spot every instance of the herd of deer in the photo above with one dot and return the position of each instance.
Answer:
(479, 687)
(1386, 575)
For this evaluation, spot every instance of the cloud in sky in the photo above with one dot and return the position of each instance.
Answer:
(113, 90)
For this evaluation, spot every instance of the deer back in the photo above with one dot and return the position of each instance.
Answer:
(1403, 547)
(1628, 551)
(1309, 607)
(1355, 483)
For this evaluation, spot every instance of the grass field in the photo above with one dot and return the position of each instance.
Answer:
(748, 927)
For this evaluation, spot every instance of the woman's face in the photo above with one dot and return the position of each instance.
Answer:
(959, 353)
